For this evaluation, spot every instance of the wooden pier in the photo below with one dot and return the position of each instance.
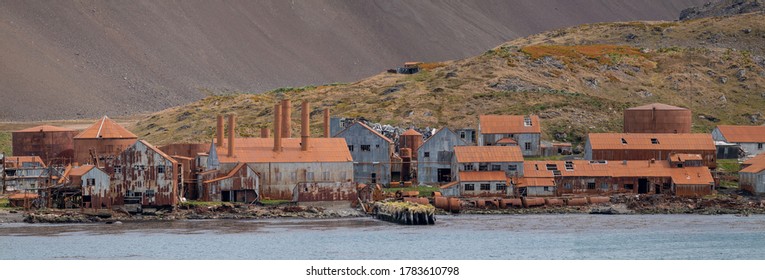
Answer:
(405, 213)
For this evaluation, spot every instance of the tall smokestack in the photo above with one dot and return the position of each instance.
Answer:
(305, 120)
(326, 123)
(231, 132)
(286, 121)
(219, 131)
(264, 132)
(277, 128)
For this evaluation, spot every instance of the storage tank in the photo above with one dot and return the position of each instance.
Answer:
(54, 145)
(411, 139)
(657, 118)
(102, 141)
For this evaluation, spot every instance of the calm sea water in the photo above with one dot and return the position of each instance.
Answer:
(453, 237)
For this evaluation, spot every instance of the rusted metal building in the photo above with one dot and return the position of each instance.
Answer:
(187, 155)
(371, 152)
(27, 173)
(484, 184)
(145, 177)
(643, 146)
(608, 177)
(54, 145)
(657, 118)
(240, 184)
(482, 166)
(749, 138)
(311, 169)
(536, 186)
(526, 131)
(434, 164)
(410, 139)
(102, 142)
(95, 184)
(468, 135)
(752, 176)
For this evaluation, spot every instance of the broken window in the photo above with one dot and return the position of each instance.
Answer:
(512, 167)
(547, 189)
(469, 187)
(462, 134)
(604, 186)
(485, 187)
(483, 167)
(591, 185)
(624, 142)
(366, 148)
(468, 167)
(496, 167)
(527, 146)
(628, 186)
(377, 146)
(160, 169)
(91, 181)
(526, 121)
(759, 146)
(350, 148)
(325, 176)
(654, 141)
(427, 154)
(149, 192)
(501, 186)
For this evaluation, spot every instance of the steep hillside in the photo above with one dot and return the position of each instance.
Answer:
(723, 8)
(83, 59)
(577, 79)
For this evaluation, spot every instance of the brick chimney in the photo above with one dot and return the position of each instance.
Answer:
(326, 123)
(219, 131)
(277, 128)
(305, 121)
(286, 121)
(231, 132)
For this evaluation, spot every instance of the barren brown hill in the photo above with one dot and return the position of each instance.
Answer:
(577, 79)
(83, 59)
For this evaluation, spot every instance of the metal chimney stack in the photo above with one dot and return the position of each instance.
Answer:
(231, 132)
(305, 120)
(326, 123)
(277, 128)
(219, 131)
(286, 127)
(264, 132)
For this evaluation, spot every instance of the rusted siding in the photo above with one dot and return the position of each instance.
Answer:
(139, 178)
(533, 139)
(54, 147)
(104, 149)
(98, 192)
(375, 161)
(692, 190)
(657, 121)
(439, 149)
(709, 156)
(609, 185)
(242, 186)
(280, 178)
(325, 191)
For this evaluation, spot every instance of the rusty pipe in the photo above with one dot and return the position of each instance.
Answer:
(326, 123)
(305, 120)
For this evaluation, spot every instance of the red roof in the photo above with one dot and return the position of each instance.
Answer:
(536, 182)
(12, 161)
(488, 154)
(692, 176)
(756, 164)
(411, 131)
(743, 133)
(508, 124)
(685, 157)
(45, 128)
(657, 106)
(482, 176)
(651, 141)
(507, 140)
(624, 169)
(105, 128)
(260, 150)
(80, 170)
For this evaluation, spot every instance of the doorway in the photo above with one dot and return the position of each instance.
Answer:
(444, 175)
(642, 185)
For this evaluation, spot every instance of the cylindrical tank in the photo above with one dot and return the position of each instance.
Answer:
(54, 145)
(657, 118)
(576, 201)
(598, 199)
(410, 139)
(102, 141)
(533, 202)
(420, 200)
(553, 202)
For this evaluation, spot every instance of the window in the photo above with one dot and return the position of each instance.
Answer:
(556, 173)
(567, 186)
(526, 121)
(604, 186)
(149, 192)
(427, 154)
(377, 146)
(628, 186)
(485, 187)
(591, 185)
(569, 166)
(462, 134)
(325, 176)
(483, 167)
(501, 186)
(469, 187)
(547, 189)
(160, 169)
(117, 169)
(91, 182)
(309, 176)
(496, 167)
(759, 146)
(512, 167)
(527, 146)
(654, 141)
(467, 167)
(366, 148)
(551, 166)
(350, 148)
(624, 142)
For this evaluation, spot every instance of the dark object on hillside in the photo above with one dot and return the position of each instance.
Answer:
(410, 68)
(723, 8)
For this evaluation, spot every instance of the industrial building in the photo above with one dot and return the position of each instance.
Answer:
(410, 139)
(434, 164)
(298, 169)
(526, 131)
(145, 177)
(752, 176)
(240, 184)
(646, 146)
(94, 184)
(26, 173)
(54, 145)
(574, 177)
(749, 138)
(371, 152)
(485, 170)
(102, 142)
(657, 118)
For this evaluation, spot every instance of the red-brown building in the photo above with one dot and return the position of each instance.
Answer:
(102, 142)
(54, 145)
(646, 146)
(657, 118)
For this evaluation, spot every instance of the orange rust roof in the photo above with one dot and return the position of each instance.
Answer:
(508, 124)
(45, 128)
(685, 157)
(692, 176)
(411, 131)
(105, 128)
(449, 185)
(586, 168)
(644, 141)
(657, 106)
(561, 144)
(488, 154)
(80, 170)
(24, 159)
(756, 164)
(507, 140)
(533, 182)
(368, 128)
(20, 196)
(743, 133)
(482, 176)
(230, 173)
(260, 150)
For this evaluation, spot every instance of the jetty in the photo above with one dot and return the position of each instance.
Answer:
(404, 212)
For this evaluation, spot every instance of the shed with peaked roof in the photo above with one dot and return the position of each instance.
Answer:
(524, 130)
(750, 138)
(371, 152)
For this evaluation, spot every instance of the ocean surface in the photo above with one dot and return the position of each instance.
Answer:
(500, 237)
